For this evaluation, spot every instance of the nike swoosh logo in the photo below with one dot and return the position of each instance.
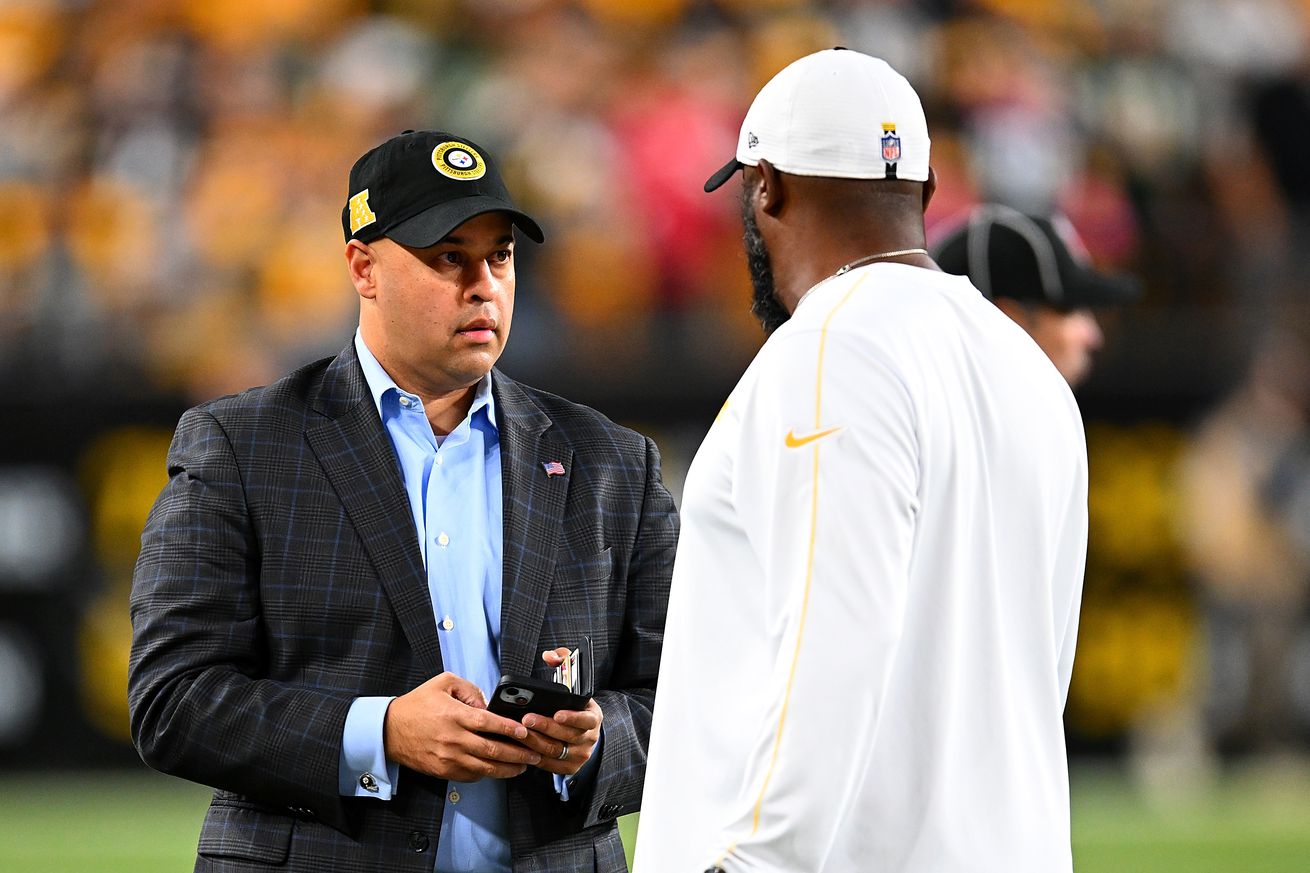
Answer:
(795, 442)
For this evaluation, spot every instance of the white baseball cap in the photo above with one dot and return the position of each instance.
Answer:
(835, 113)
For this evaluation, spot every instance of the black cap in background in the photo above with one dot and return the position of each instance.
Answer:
(1006, 253)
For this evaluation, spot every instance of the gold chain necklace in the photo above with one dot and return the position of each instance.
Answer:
(860, 263)
(868, 258)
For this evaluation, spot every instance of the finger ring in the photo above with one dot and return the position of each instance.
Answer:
(564, 752)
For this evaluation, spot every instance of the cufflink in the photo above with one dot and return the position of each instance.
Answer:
(368, 783)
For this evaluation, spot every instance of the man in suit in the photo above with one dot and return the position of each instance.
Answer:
(344, 562)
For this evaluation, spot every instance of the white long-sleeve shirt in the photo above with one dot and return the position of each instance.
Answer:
(875, 599)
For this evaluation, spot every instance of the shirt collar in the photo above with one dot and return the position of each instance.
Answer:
(380, 382)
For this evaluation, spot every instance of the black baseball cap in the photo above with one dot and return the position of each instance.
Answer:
(417, 187)
(1038, 259)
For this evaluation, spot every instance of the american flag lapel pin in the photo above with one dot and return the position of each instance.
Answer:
(553, 468)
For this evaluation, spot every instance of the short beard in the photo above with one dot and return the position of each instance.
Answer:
(764, 299)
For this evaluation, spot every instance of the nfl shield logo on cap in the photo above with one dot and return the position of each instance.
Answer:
(891, 143)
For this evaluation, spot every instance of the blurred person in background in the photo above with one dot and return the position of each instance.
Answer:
(344, 563)
(876, 594)
(1036, 270)
(1245, 518)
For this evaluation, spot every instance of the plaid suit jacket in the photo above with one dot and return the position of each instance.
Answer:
(280, 578)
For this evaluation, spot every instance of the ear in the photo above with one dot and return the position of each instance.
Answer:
(360, 263)
(772, 193)
(929, 188)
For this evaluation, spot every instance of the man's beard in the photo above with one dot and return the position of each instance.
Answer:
(764, 300)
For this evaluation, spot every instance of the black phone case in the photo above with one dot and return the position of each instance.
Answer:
(542, 696)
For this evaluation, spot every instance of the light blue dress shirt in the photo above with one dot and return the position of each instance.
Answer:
(454, 488)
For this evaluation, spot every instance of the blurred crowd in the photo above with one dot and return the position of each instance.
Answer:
(172, 174)
(172, 170)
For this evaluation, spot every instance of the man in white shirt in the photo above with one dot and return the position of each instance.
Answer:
(876, 591)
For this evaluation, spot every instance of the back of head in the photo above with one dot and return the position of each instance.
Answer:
(834, 158)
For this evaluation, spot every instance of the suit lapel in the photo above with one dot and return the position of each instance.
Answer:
(533, 511)
(356, 453)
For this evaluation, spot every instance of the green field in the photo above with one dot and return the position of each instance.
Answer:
(1254, 821)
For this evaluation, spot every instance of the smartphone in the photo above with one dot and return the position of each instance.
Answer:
(516, 696)
(572, 688)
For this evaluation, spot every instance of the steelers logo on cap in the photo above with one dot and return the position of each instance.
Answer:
(457, 160)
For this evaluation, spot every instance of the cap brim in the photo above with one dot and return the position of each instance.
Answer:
(1094, 290)
(435, 223)
(724, 174)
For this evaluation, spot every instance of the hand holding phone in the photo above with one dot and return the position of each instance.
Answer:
(571, 688)
(562, 719)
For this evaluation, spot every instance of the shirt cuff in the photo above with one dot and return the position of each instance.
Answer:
(566, 784)
(364, 770)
